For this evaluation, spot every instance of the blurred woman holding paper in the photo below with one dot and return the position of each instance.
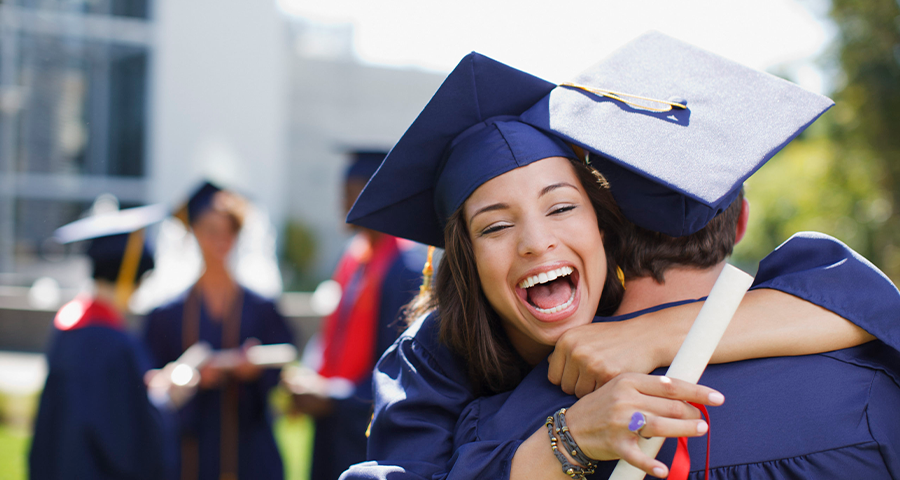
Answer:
(226, 429)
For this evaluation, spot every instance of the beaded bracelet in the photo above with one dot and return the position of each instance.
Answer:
(577, 472)
(573, 449)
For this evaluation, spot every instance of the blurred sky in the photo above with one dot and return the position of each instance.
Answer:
(556, 39)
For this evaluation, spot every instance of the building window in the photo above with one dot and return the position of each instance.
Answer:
(119, 8)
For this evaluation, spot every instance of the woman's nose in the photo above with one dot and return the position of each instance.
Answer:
(536, 239)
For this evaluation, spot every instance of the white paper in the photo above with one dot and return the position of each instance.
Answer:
(697, 349)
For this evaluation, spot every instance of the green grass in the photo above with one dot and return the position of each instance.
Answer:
(293, 434)
(294, 437)
(13, 453)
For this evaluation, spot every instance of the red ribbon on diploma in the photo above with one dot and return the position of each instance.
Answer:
(681, 464)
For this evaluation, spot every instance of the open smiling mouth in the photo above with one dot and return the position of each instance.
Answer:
(550, 292)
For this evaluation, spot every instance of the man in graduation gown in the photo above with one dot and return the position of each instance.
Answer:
(378, 275)
(95, 420)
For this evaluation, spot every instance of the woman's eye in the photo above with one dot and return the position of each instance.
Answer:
(562, 209)
(493, 229)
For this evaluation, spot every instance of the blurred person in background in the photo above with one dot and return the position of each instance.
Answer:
(95, 419)
(226, 430)
(378, 274)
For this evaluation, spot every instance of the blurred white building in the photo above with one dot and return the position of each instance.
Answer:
(144, 98)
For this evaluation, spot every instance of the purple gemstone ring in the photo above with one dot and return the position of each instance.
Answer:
(638, 420)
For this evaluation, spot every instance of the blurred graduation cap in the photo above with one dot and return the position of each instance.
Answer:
(198, 202)
(465, 136)
(675, 162)
(363, 164)
(117, 248)
(208, 196)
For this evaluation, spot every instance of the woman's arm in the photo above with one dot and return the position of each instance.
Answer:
(812, 294)
(769, 323)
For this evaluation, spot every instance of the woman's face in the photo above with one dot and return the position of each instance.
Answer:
(539, 252)
(215, 234)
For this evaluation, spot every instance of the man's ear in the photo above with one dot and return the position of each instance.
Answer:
(743, 218)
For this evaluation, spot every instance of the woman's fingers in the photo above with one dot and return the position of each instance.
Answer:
(666, 387)
(657, 426)
(664, 407)
(584, 385)
(632, 454)
(557, 362)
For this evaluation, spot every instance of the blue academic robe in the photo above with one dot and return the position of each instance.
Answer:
(340, 439)
(421, 388)
(201, 419)
(94, 420)
(816, 416)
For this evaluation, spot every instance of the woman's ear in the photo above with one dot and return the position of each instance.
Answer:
(743, 218)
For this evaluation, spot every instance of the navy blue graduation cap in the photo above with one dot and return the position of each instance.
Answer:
(117, 247)
(466, 135)
(675, 162)
(363, 164)
(199, 201)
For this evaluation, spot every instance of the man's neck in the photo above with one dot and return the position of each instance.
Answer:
(105, 292)
(681, 283)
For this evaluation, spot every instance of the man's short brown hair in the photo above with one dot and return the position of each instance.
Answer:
(646, 253)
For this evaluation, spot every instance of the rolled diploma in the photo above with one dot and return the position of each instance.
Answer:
(697, 349)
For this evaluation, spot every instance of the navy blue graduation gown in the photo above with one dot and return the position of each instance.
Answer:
(831, 415)
(94, 420)
(340, 439)
(421, 387)
(200, 420)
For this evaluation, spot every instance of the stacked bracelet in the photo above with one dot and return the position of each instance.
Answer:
(557, 430)
(562, 429)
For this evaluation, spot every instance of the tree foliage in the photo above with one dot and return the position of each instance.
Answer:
(841, 177)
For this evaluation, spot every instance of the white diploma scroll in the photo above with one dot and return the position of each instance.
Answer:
(697, 349)
(264, 356)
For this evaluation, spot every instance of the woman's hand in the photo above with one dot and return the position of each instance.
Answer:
(599, 424)
(599, 421)
(589, 356)
(245, 371)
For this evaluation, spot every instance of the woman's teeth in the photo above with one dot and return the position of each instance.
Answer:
(558, 307)
(545, 277)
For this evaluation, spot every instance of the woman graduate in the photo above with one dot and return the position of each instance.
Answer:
(490, 336)
(226, 430)
(94, 418)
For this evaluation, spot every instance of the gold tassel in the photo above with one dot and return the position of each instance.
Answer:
(427, 273)
(621, 276)
(131, 260)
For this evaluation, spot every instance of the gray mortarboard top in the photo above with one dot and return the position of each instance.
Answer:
(111, 223)
(673, 171)
(108, 232)
(466, 135)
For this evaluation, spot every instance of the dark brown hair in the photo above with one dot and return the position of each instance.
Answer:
(645, 253)
(471, 327)
(232, 205)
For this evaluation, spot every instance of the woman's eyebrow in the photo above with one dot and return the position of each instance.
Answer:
(489, 208)
(550, 188)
